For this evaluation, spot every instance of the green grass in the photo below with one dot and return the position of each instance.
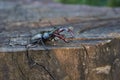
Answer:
(111, 3)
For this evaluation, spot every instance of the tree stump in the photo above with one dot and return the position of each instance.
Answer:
(93, 54)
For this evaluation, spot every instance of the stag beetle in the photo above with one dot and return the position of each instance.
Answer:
(42, 37)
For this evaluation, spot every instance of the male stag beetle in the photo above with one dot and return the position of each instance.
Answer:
(42, 37)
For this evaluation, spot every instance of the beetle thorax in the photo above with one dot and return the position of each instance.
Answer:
(46, 35)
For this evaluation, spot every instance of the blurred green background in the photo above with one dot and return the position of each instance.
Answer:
(111, 3)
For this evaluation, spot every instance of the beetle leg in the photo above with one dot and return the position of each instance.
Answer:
(41, 40)
(31, 45)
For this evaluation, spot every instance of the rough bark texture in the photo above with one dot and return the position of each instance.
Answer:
(98, 62)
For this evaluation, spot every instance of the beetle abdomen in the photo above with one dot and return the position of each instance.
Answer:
(37, 36)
